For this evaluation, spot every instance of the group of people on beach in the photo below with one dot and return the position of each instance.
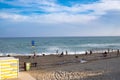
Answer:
(62, 53)
(105, 53)
(89, 52)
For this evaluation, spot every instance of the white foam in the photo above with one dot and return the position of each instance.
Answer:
(14, 54)
(100, 45)
(53, 53)
(53, 48)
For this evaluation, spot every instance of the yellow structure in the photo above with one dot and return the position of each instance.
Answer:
(9, 68)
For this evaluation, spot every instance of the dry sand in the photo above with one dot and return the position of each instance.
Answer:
(107, 69)
(68, 67)
(24, 76)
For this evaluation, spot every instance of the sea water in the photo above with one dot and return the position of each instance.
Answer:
(49, 45)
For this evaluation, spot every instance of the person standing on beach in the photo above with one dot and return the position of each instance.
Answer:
(34, 54)
(56, 51)
(108, 50)
(86, 53)
(118, 52)
(66, 52)
(90, 52)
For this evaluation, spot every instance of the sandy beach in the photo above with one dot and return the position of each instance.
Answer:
(70, 67)
(59, 40)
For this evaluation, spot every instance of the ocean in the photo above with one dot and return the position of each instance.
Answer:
(49, 45)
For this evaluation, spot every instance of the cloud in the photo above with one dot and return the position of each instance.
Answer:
(52, 5)
(54, 12)
(48, 18)
(13, 17)
(104, 6)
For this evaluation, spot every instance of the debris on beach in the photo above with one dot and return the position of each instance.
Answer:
(83, 61)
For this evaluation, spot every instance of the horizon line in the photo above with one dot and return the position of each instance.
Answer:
(53, 36)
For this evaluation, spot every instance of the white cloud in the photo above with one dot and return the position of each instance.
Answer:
(99, 7)
(30, 3)
(106, 5)
(13, 17)
(48, 18)
(58, 13)
(52, 6)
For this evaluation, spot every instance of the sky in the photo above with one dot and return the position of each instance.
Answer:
(52, 18)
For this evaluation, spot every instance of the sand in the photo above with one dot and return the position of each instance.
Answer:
(24, 76)
(107, 69)
(69, 67)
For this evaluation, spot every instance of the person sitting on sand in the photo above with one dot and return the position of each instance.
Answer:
(61, 54)
(8, 55)
(105, 54)
(76, 56)
(29, 57)
(43, 54)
